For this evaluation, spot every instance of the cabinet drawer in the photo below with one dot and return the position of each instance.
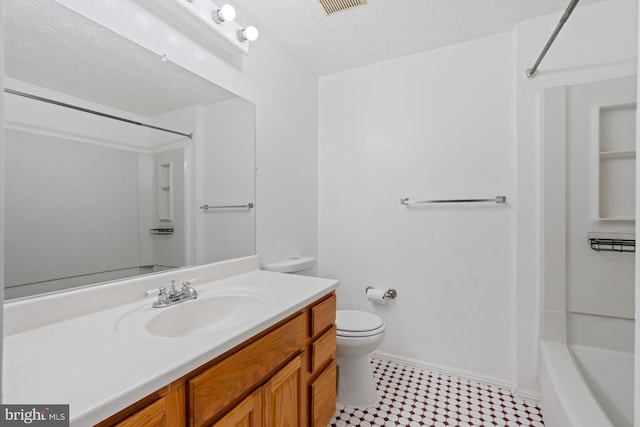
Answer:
(214, 390)
(322, 397)
(322, 350)
(322, 315)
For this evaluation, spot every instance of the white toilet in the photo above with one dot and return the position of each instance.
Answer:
(358, 334)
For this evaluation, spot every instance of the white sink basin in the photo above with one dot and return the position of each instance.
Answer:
(211, 312)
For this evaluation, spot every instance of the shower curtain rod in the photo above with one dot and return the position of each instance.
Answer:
(97, 113)
(531, 72)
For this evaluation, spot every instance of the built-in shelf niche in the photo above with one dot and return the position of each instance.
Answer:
(615, 133)
(164, 192)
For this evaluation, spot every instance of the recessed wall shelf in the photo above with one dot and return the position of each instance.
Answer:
(612, 242)
(165, 198)
(614, 165)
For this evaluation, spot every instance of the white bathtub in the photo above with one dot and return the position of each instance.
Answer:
(566, 399)
(609, 374)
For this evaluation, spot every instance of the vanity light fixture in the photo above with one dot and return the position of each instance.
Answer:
(225, 13)
(209, 24)
(249, 33)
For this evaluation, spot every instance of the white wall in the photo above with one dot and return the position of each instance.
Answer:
(285, 94)
(598, 42)
(226, 158)
(435, 125)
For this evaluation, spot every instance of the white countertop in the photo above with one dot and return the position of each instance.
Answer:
(103, 361)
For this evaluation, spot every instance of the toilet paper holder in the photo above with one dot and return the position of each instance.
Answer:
(390, 293)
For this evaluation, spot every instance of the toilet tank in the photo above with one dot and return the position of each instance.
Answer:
(291, 265)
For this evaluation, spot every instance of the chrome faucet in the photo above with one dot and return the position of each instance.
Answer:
(174, 296)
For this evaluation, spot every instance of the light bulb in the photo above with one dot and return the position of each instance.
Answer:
(225, 13)
(248, 34)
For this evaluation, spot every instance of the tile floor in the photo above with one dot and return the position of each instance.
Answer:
(415, 397)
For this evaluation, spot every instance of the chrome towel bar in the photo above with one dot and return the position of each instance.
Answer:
(408, 202)
(246, 206)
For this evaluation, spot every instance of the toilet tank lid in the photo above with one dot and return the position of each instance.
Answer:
(357, 321)
(291, 265)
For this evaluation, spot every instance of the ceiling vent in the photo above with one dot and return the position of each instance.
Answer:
(334, 6)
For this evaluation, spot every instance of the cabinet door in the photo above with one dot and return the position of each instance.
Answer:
(246, 414)
(168, 411)
(281, 396)
(151, 416)
(323, 396)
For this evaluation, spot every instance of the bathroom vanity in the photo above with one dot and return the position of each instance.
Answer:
(259, 348)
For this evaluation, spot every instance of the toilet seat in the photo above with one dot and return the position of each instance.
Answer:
(355, 323)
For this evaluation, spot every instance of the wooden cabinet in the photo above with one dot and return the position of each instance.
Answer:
(214, 391)
(282, 396)
(167, 410)
(321, 374)
(275, 404)
(283, 377)
(152, 416)
(247, 413)
(322, 315)
(322, 350)
(322, 396)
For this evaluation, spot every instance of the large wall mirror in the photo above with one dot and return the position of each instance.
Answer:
(91, 198)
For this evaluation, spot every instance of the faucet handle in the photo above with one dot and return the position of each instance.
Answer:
(161, 292)
(173, 291)
(150, 292)
(189, 283)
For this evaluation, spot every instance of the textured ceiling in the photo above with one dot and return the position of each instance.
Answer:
(385, 29)
(48, 45)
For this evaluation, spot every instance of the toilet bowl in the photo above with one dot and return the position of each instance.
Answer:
(358, 334)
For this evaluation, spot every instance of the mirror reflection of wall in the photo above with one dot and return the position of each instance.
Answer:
(90, 199)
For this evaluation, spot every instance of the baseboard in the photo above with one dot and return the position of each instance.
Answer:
(528, 395)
